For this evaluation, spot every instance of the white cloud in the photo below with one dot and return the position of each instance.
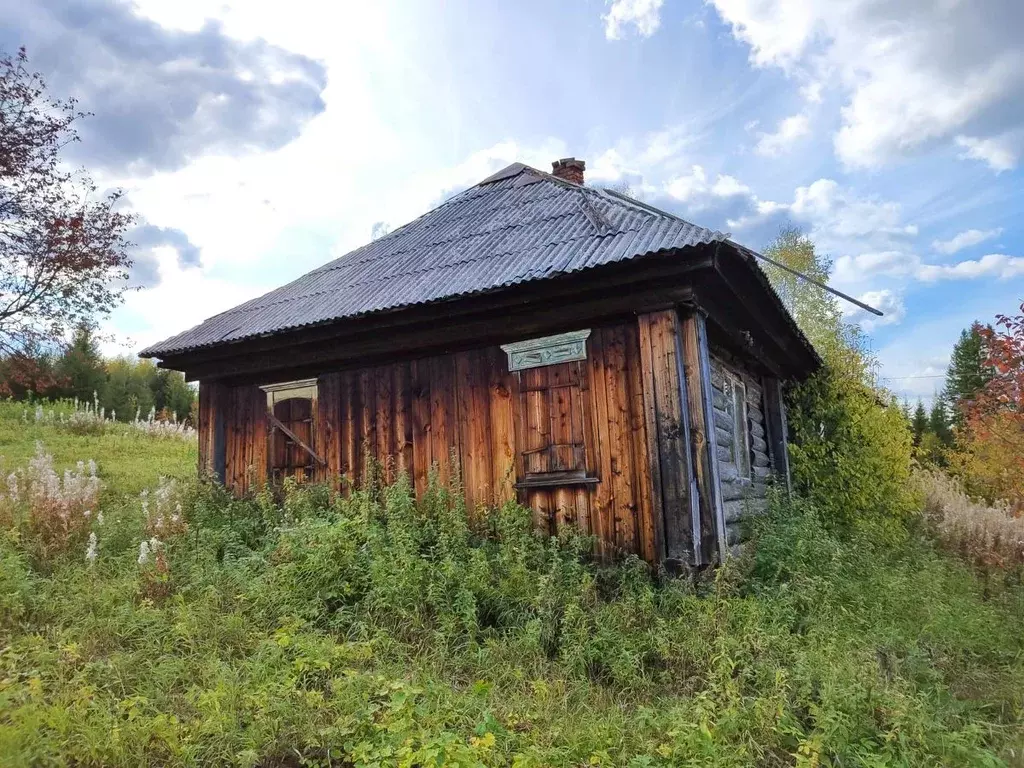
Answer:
(852, 269)
(885, 300)
(913, 73)
(1000, 153)
(182, 299)
(965, 240)
(643, 15)
(991, 265)
(789, 131)
(838, 216)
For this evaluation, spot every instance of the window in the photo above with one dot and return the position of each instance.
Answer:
(551, 417)
(291, 408)
(736, 405)
(552, 420)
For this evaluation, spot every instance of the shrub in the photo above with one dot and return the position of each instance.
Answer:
(51, 512)
(851, 455)
(986, 535)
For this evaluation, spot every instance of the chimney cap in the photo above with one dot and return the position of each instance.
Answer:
(569, 169)
(569, 162)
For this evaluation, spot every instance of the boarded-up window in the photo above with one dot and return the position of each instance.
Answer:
(736, 405)
(552, 423)
(291, 408)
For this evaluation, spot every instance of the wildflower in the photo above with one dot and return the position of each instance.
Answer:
(99, 518)
(12, 486)
(143, 553)
(90, 553)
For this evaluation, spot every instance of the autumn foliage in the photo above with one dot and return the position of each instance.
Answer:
(990, 458)
(63, 253)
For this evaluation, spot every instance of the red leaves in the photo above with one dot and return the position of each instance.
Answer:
(994, 419)
(63, 253)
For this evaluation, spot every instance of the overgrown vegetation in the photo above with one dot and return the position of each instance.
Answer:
(989, 536)
(852, 448)
(375, 630)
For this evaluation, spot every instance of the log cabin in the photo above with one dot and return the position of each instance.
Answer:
(603, 362)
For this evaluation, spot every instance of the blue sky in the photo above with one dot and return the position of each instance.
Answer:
(256, 141)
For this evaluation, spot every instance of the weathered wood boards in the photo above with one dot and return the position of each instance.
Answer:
(667, 421)
(709, 523)
(624, 444)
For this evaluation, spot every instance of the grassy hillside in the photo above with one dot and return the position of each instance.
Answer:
(375, 631)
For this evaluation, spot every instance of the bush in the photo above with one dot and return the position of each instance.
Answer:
(375, 629)
(851, 454)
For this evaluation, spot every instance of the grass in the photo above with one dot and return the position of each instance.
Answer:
(375, 631)
(127, 463)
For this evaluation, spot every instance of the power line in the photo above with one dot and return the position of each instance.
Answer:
(812, 281)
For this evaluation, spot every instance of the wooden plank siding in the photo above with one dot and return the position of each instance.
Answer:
(710, 522)
(667, 420)
(619, 421)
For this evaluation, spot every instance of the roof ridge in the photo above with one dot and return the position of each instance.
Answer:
(505, 230)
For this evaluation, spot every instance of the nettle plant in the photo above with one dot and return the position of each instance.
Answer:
(52, 512)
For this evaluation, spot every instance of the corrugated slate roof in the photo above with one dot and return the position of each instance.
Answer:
(515, 226)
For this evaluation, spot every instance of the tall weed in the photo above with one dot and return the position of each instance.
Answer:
(375, 629)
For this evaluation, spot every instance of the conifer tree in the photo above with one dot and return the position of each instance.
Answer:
(967, 373)
(939, 422)
(81, 367)
(919, 423)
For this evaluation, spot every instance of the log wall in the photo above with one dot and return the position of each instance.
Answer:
(741, 497)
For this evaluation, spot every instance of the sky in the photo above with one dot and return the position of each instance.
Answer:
(258, 140)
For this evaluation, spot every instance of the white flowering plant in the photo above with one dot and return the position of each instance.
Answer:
(90, 418)
(53, 511)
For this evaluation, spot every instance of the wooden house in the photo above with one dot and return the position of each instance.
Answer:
(605, 362)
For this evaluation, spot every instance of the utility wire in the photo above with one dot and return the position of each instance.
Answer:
(820, 284)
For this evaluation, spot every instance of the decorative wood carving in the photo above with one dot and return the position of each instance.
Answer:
(547, 350)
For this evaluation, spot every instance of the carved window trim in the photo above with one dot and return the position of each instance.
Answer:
(547, 350)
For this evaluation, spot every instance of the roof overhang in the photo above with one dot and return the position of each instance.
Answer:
(717, 278)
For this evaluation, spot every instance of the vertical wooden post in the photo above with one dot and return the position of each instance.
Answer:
(709, 528)
(778, 438)
(667, 425)
(218, 405)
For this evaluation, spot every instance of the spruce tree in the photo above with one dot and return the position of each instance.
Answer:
(939, 422)
(919, 424)
(81, 367)
(967, 373)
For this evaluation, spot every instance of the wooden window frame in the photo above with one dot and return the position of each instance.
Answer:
(555, 478)
(305, 389)
(740, 426)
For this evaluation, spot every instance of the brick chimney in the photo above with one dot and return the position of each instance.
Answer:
(569, 169)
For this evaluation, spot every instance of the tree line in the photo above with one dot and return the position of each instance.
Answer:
(123, 386)
(935, 429)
